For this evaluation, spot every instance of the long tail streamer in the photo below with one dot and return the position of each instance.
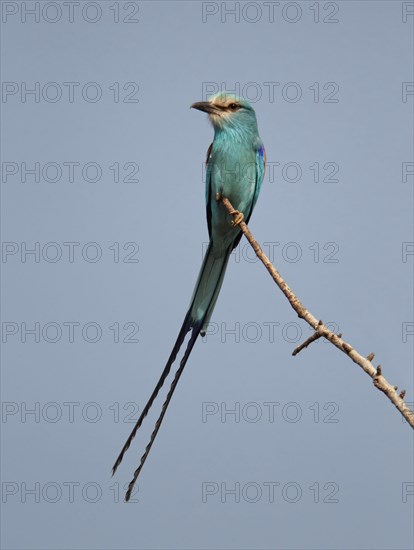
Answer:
(204, 298)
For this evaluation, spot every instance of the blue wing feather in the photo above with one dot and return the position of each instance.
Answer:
(260, 171)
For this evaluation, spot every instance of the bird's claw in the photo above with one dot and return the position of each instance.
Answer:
(238, 217)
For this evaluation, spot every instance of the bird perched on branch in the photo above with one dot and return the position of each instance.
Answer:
(235, 168)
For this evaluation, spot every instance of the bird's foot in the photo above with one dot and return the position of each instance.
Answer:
(238, 217)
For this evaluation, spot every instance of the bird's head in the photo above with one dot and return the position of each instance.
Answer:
(227, 111)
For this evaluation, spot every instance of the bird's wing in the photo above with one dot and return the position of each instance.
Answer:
(208, 190)
(260, 170)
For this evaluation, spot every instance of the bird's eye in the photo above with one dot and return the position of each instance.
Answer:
(234, 106)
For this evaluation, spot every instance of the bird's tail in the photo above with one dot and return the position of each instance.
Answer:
(201, 307)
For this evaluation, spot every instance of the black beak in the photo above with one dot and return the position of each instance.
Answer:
(204, 106)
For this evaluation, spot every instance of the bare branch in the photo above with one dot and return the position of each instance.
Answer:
(322, 331)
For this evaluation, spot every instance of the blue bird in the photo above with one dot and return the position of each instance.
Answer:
(235, 168)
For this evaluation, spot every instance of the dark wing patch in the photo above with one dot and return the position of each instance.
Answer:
(260, 170)
(208, 191)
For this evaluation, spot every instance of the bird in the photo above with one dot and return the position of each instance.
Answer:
(235, 168)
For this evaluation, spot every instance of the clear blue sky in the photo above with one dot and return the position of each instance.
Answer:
(102, 177)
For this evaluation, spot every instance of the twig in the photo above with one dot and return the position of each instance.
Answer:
(364, 362)
(315, 336)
